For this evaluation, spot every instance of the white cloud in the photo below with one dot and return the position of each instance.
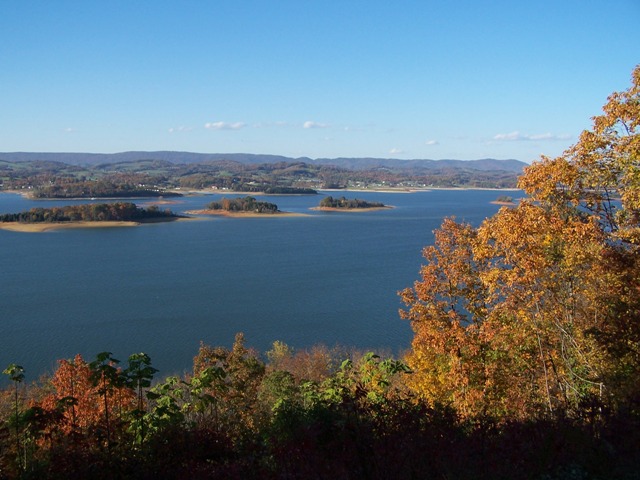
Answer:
(519, 137)
(541, 136)
(70, 130)
(396, 151)
(508, 136)
(180, 129)
(432, 142)
(224, 125)
(310, 124)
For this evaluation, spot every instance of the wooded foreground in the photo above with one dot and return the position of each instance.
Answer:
(316, 413)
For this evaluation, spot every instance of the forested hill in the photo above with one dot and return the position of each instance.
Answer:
(85, 175)
(487, 164)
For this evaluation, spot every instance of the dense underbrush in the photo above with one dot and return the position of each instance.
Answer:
(317, 413)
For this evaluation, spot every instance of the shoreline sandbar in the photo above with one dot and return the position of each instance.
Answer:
(39, 227)
(46, 227)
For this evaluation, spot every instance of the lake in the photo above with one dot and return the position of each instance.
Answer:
(330, 277)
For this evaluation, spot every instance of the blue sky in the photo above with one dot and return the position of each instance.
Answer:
(406, 79)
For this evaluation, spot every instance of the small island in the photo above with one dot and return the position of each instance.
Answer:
(349, 205)
(118, 214)
(241, 207)
(504, 200)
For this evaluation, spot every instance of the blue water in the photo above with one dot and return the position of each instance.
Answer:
(327, 278)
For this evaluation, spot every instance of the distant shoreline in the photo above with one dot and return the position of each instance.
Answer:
(414, 190)
(157, 200)
(374, 190)
(197, 192)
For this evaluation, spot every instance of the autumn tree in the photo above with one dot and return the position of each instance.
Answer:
(16, 375)
(86, 395)
(601, 172)
(74, 391)
(234, 391)
(537, 310)
(314, 364)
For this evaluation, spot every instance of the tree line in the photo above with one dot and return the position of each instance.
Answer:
(278, 190)
(314, 413)
(95, 212)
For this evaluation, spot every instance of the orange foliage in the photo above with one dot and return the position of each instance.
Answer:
(537, 310)
(81, 403)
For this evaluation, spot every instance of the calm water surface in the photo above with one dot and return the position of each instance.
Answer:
(326, 278)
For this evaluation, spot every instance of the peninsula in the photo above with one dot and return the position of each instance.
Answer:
(115, 187)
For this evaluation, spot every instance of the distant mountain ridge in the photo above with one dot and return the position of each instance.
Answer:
(486, 164)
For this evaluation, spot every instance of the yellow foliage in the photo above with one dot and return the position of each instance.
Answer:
(537, 309)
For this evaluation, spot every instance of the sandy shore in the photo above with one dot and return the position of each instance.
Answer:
(46, 227)
(224, 213)
(333, 209)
